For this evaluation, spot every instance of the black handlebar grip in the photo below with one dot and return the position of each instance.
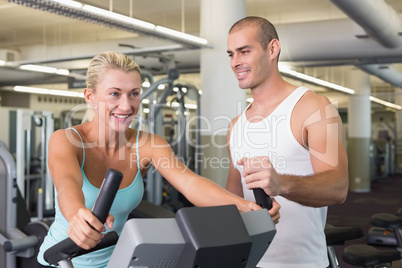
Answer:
(67, 249)
(106, 194)
(262, 199)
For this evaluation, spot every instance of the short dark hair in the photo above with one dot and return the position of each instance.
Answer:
(267, 31)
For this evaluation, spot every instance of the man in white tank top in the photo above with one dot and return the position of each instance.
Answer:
(288, 142)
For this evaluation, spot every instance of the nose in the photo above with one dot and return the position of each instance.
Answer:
(124, 103)
(234, 62)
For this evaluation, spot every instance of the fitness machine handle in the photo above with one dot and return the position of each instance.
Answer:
(262, 199)
(67, 249)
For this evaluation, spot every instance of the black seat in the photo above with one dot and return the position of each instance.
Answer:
(364, 255)
(338, 235)
(386, 220)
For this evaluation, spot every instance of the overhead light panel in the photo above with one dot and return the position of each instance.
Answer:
(303, 77)
(70, 3)
(45, 91)
(182, 35)
(287, 71)
(116, 16)
(44, 69)
(88, 13)
(385, 103)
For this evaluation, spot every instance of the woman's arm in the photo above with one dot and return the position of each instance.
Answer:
(198, 190)
(64, 168)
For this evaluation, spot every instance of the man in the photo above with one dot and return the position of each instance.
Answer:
(287, 142)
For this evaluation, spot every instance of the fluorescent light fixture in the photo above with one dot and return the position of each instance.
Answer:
(145, 101)
(36, 90)
(38, 68)
(116, 16)
(92, 14)
(181, 35)
(62, 72)
(146, 111)
(385, 103)
(286, 70)
(44, 69)
(70, 3)
(2, 63)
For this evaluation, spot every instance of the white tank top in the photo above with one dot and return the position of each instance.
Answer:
(300, 239)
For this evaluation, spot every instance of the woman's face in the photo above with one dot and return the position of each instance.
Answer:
(117, 98)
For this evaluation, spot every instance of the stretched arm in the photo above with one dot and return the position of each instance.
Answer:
(198, 190)
(65, 170)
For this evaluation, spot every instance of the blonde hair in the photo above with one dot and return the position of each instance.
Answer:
(108, 60)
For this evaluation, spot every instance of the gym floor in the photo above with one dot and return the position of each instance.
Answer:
(385, 197)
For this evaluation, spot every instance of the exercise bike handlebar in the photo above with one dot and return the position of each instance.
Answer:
(67, 249)
(262, 199)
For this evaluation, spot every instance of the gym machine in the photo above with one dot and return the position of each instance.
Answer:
(337, 236)
(32, 131)
(206, 237)
(370, 257)
(154, 122)
(18, 246)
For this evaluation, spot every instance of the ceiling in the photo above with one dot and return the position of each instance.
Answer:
(54, 40)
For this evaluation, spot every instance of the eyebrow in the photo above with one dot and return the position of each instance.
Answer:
(119, 89)
(239, 49)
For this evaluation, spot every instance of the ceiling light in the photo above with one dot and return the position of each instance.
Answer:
(70, 3)
(385, 103)
(182, 35)
(119, 17)
(36, 90)
(44, 69)
(38, 68)
(88, 13)
(286, 70)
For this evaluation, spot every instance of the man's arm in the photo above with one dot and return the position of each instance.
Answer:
(320, 131)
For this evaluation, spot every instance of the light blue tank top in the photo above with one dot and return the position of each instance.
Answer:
(125, 201)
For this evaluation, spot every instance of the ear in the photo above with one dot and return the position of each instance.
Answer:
(89, 97)
(274, 48)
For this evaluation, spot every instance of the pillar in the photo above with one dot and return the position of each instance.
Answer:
(398, 136)
(359, 129)
(221, 99)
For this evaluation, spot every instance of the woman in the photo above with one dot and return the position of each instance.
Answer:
(79, 158)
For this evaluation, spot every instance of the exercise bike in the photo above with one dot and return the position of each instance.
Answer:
(19, 243)
(202, 237)
(336, 236)
(370, 257)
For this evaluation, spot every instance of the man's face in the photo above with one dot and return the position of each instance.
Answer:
(248, 60)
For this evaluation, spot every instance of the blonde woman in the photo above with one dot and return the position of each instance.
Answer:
(80, 156)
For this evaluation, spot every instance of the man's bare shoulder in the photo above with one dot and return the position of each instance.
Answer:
(311, 102)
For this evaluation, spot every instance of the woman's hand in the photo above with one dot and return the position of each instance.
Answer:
(86, 230)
